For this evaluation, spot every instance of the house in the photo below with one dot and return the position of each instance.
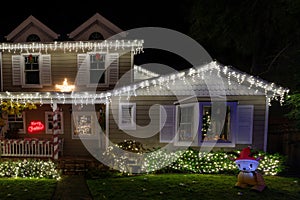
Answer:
(81, 103)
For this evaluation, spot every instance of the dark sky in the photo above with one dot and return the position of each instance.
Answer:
(63, 17)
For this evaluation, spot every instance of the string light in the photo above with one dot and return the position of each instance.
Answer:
(189, 77)
(136, 46)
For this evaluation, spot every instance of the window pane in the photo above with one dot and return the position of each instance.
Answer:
(186, 123)
(97, 76)
(84, 125)
(32, 77)
(15, 123)
(210, 127)
(127, 114)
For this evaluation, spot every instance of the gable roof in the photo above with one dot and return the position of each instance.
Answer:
(209, 80)
(96, 18)
(29, 22)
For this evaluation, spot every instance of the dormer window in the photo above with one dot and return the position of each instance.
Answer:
(96, 36)
(33, 38)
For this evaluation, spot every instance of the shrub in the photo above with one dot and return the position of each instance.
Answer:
(29, 168)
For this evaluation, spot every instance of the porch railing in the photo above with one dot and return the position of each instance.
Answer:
(28, 147)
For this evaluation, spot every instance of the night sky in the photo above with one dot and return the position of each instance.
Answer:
(64, 17)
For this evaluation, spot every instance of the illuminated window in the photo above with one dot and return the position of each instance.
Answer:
(84, 124)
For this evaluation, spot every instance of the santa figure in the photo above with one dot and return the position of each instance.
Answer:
(248, 176)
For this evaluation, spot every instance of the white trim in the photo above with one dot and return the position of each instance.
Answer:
(107, 125)
(50, 131)
(266, 125)
(195, 124)
(127, 126)
(93, 116)
(250, 141)
(94, 85)
(31, 20)
(21, 131)
(23, 74)
(1, 73)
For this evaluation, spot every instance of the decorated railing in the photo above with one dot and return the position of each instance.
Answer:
(28, 147)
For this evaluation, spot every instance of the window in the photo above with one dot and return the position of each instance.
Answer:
(49, 122)
(127, 113)
(33, 38)
(32, 69)
(97, 68)
(84, 124)
(213, 129)
(16, 123)
(196, 124)
(187, 117)
(96, 36)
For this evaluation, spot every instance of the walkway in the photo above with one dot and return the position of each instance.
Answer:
(72, 187)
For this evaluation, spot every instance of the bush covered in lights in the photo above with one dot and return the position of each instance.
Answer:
(189, 161)
(29, 168)
(193, 161)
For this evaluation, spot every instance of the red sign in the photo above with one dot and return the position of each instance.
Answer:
(35, 126)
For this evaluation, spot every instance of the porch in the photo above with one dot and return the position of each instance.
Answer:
(29, 147)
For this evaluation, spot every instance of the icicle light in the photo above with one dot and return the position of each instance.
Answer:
(136, 46)
(271, 90)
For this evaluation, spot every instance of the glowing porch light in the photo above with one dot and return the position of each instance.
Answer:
(65, 87)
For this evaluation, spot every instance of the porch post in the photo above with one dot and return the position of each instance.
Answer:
(55, 131)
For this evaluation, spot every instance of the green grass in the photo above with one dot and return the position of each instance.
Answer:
(25, 188)
(189, 187)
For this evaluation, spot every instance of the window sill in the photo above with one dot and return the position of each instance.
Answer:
(32, 86)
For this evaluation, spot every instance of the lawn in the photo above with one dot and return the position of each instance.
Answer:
(189, 187)
(25, 188)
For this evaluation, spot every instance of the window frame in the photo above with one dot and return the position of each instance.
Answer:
(233, 126)
(194, 127)
(23, 117)
(132, 124)
(105, 70)
(93, 124)
(50, 131)
(23, 64)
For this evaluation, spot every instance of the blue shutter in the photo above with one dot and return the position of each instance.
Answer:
(245, 124)
(167, 129)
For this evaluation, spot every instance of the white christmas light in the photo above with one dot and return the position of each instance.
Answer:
(271, 91)
(136, 46)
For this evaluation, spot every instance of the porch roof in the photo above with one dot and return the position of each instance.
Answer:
(208, 80)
